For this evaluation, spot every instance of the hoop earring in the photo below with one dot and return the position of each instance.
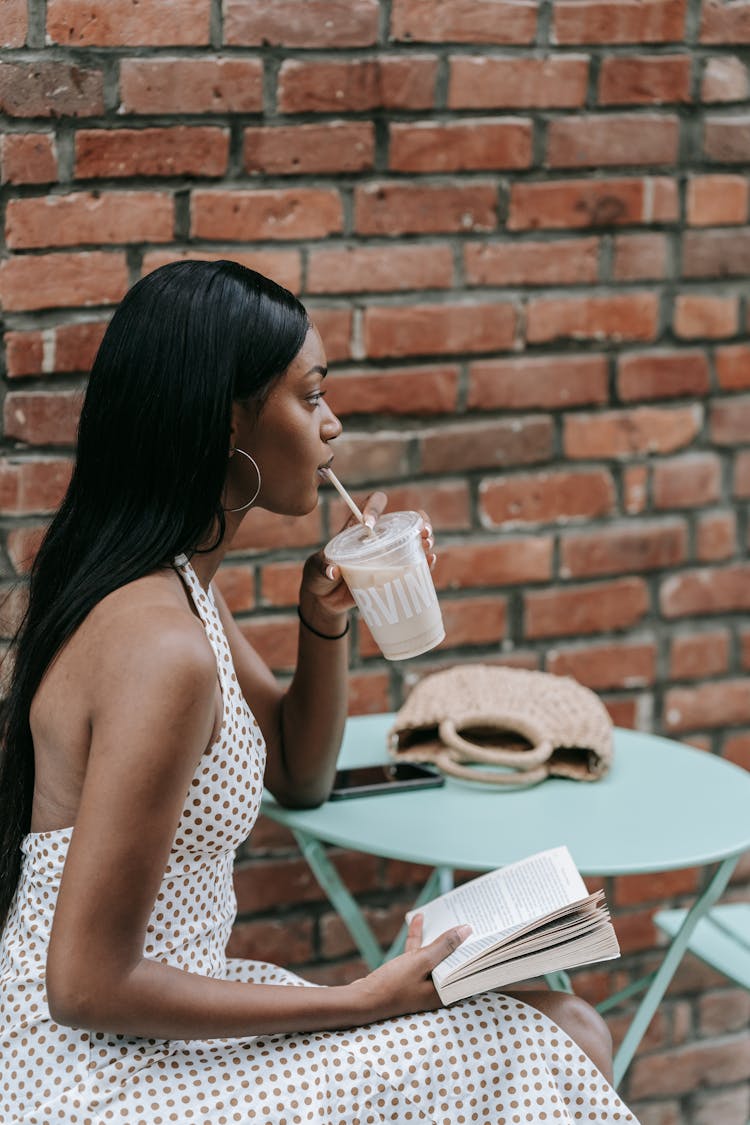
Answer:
(255, 466)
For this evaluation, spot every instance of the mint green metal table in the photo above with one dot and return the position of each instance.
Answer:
(663, 806)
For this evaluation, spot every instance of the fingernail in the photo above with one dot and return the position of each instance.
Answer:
(370, 519)
(428, 528)
(463, 932)
(331, 572)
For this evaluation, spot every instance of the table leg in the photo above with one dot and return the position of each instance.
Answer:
(663, 975)
(347, 906)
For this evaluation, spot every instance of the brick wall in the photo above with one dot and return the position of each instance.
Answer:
(523, 231)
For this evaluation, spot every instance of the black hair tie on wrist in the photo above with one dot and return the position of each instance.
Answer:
(323, 636)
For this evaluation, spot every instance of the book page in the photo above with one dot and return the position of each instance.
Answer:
(506, 899)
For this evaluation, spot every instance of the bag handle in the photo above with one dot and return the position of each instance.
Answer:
(518, 778)
(525, 760)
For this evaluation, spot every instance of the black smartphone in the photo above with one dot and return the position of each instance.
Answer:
(393, 777)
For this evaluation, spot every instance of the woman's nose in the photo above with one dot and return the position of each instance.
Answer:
(331, 425)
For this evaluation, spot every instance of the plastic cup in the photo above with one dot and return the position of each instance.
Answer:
(388, 577)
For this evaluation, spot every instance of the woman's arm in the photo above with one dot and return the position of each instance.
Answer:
(303, 725)
(153, 690)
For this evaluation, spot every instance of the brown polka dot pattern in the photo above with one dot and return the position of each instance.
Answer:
(490, 1059)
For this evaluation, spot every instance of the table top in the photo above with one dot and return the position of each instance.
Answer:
(662, 806)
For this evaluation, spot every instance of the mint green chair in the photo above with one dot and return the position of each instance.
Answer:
(721, 939)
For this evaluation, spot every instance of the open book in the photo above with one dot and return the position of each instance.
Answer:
(530, 918)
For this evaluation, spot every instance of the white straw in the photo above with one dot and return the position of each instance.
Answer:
(345, 495)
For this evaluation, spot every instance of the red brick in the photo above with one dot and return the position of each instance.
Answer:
(511, 562)
(205, 85)
(704, 706)
(545, 382)
(716, 253)
(265, 531)
(606, 666)
(285, 942)
(664, 374)
(280, 583)
(635, 489)
(657, 886)
(337, 146)
(435, 329)
(597, 140)
(290, 882)
(396, 390)
(708, 590)
(378, 269)
(274, 639)
(592, 203)
(626, 316)
(640, 257)
(81, 217)
(42, 417)
(727, 139)
(182, 150)
(717, 200)
(644, 79)
(742, 474)
(385, 922)
(23, 544)
(698, 656)
(67, 347)
(733, 367)
(369, 694)
(241, 216)
(50, 280)
(129, 23)
(737, 750)
(357, 85)
(28, 158)
(628, 548)
(32, 486)
(284, 266)
(725, 79)
(335, 328)
(626, 432)
(555, 497)
(301, 23)
(14, 601)
(446, 503)
(730, 419)
(464, 21)
(486, 445)
(237, 586)
(595, 608)
(687, 482)
(482, 82)
(15, 24)
(724, 22)
(703, 316)
(368, 457)
(468, 145)
(618, 21)
(395, 208)
(716, 536)
(564, 262)
(50, 89)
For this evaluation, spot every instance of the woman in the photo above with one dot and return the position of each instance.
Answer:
(131, 771)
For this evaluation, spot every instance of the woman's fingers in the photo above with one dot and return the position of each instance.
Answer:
(444, 945)
(373, 508)
(414, 934)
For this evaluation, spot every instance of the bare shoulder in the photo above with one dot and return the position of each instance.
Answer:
(138, 637)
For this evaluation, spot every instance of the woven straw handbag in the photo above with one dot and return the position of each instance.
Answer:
(504, 726)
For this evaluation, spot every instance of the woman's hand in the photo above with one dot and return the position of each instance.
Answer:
(404, 985)
(322, 582)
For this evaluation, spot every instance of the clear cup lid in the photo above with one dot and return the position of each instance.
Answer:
(357, 545)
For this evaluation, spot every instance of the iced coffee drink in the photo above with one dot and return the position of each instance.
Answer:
(388, 577)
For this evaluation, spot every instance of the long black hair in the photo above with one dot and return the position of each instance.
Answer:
(187, 341)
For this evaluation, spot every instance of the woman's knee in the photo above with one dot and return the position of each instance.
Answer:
(579, 1020)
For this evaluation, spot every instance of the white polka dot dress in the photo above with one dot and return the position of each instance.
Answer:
(490, 1059)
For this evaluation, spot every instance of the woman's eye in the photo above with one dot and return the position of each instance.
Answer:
(316, 398)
